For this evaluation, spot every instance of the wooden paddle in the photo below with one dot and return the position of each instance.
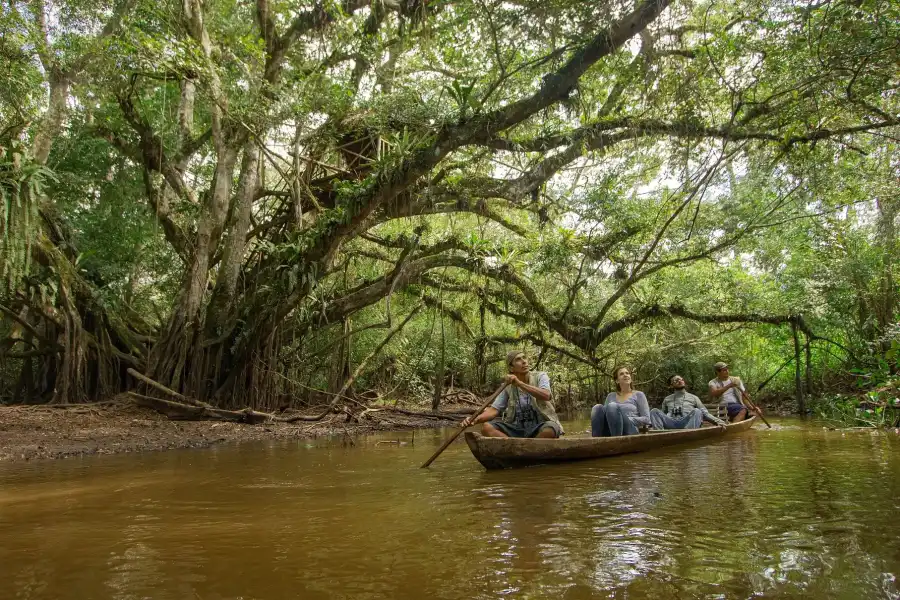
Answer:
(748, 403)
(461, 429)
(756, 409)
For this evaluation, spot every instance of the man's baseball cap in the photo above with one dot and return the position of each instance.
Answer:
(511, 356)
(720, 365)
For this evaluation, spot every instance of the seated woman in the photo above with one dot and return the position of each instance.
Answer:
(624, 410)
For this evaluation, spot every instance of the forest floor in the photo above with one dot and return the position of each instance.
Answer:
(37, 432)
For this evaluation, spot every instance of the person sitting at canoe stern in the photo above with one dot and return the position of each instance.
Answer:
(524, 409)
(681, 410)
(730, 392)
(624, 410)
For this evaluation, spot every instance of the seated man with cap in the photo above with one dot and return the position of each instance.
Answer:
(681, 410)
(730, 392)
(524, 408)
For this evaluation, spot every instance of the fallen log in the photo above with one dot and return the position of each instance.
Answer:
(165, 390)
(307, 418)
(179, 411)
(182, 411)
(188, 412)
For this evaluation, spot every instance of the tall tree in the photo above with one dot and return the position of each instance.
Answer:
(306, 161)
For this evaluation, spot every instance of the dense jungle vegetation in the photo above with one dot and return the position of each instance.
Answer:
(261, 203)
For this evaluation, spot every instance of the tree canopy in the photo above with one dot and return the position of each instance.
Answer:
(242, 199)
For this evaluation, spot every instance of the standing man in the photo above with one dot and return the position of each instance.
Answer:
(730, 393)
(524, 407)
(681, 410)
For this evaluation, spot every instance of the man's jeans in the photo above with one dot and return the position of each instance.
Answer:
(691, 420)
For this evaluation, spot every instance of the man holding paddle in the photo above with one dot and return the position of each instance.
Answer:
(730, 392)
(524, 408)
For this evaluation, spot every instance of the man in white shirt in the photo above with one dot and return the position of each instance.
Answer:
(730, 392)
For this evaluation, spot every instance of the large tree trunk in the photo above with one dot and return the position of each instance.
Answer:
(53, 119)
(220, 322)
(168, 359)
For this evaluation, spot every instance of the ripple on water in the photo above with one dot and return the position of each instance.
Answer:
(794, 513)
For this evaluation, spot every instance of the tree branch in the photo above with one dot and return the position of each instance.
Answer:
(431, 204)
(558, 85)
(173, 232)
(306, 22)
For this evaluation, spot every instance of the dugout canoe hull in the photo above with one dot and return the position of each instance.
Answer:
(508, 453)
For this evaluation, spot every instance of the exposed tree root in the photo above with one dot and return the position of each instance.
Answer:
(192, 412)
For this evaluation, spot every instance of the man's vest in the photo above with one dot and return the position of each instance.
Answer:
(544, 409)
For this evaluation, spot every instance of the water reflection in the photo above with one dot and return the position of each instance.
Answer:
(794, 513)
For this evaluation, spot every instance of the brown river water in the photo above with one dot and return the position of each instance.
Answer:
(795, 512)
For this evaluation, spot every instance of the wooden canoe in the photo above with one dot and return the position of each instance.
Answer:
(507, 453)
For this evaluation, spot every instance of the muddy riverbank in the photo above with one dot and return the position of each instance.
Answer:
(41, 432)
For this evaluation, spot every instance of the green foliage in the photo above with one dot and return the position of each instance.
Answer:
(850, 411)
(697, 166)
(21, 189)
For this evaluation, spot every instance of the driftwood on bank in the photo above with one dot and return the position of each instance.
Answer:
(155, 384)
(188, 412)
(191, 409)
(179, 411)
(194, 410)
